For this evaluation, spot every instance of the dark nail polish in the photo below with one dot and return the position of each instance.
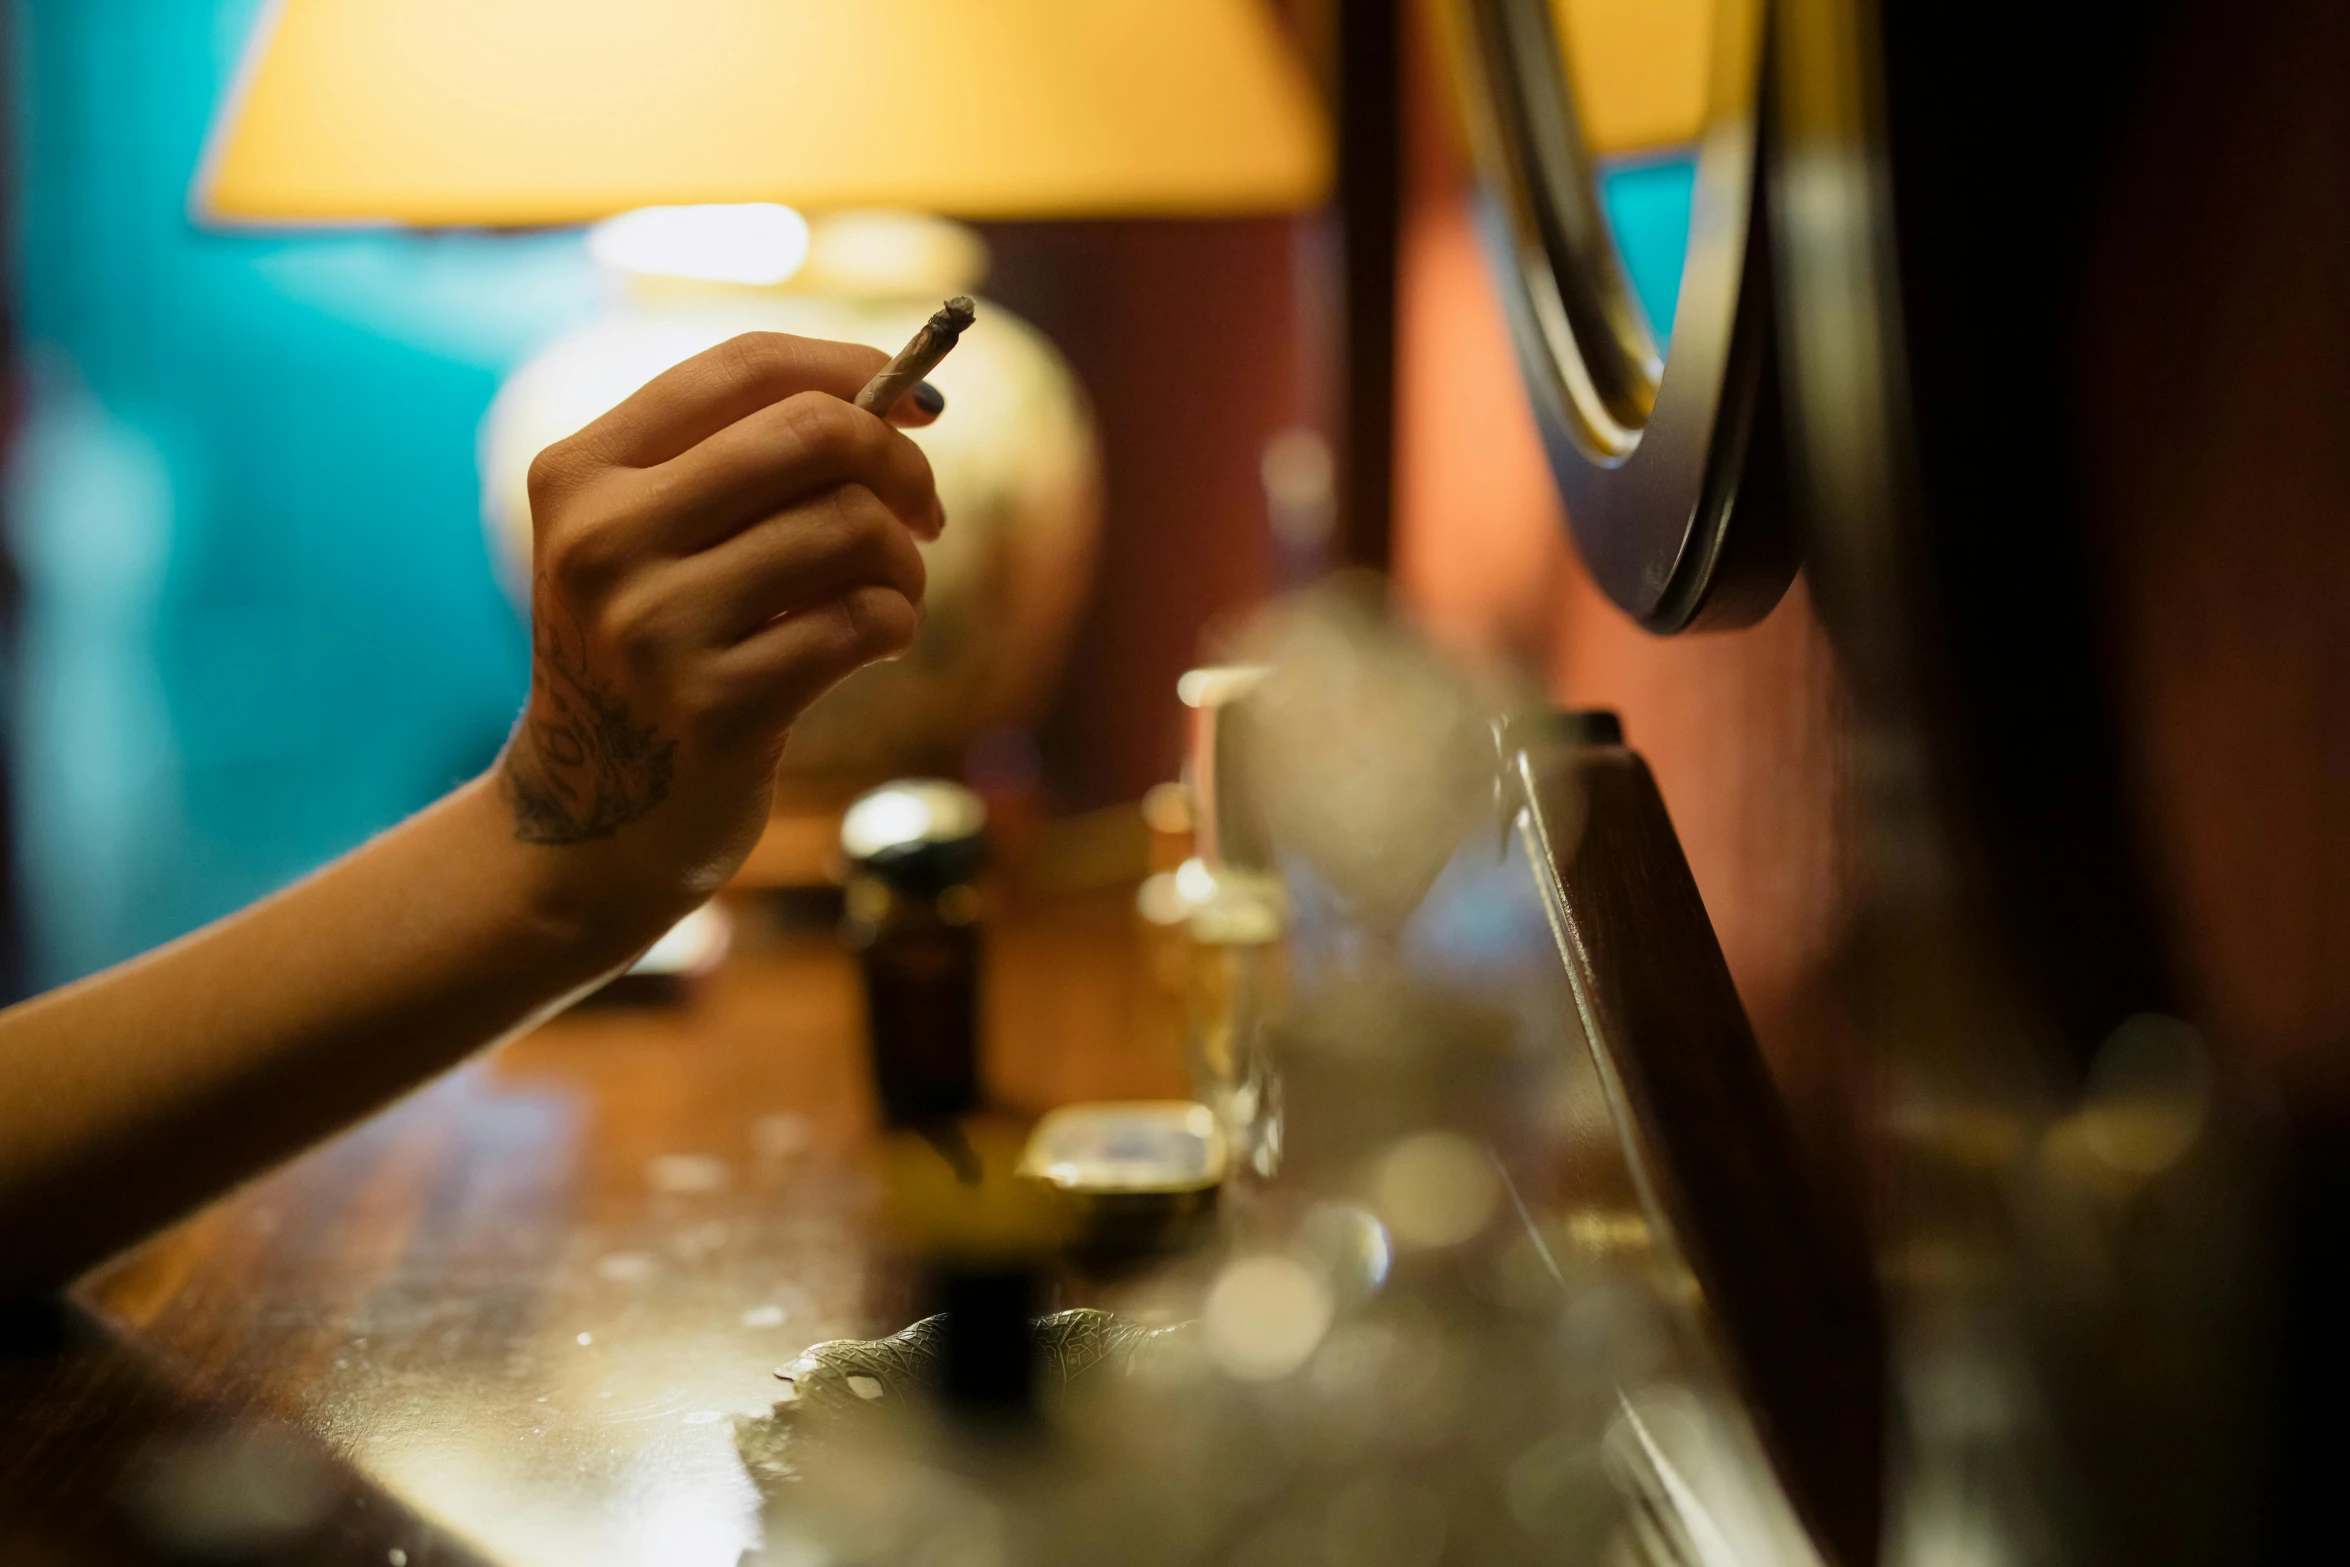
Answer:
(929, 398)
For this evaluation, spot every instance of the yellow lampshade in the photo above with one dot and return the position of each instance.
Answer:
(561, 111)
(1638, 68)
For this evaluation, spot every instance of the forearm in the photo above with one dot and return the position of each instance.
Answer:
(130, 1095)
(710, 557)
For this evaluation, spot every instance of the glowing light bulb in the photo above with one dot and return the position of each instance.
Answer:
(748, 242)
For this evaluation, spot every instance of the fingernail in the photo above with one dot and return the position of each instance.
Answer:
(929, 399)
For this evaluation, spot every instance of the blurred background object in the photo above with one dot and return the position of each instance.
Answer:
(1017, 464)
(1990, 808)
(259, 621)
(2015, 817)
(684, 132)
(1228, 897)
(1636, 283)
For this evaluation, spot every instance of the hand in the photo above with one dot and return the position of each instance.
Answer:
(710, 557)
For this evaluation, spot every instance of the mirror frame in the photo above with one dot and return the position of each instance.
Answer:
(1669, 463)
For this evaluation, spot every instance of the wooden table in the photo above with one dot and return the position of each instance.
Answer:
(507, 1320)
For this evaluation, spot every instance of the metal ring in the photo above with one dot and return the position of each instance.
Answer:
(1668, 461)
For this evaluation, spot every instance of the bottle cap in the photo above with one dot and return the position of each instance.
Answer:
(919, 835)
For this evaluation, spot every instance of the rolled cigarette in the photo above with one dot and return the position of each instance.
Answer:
(916, 360)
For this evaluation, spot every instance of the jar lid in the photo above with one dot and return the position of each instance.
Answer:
(916, 834)
(1148, 1146)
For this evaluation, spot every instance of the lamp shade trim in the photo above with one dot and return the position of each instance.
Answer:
(540, 112)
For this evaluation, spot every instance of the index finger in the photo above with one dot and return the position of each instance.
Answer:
(687, 404)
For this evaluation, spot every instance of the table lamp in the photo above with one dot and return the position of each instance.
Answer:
(539, 112)
(694, 133)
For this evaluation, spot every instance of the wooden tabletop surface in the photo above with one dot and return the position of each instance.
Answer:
(506, 1320)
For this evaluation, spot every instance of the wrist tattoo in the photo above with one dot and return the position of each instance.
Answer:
(579, 765)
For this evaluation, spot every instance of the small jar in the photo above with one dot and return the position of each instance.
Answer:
(1237, 974)
(1237, 982)
(915, 850)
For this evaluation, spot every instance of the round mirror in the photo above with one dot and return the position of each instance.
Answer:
(1617, 150)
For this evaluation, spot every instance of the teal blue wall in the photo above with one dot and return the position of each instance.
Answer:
(259, 619)
(1647, 201)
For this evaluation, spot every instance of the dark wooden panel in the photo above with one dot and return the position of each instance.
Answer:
(1786, 1275)
(1370, 186)
(1189, 338)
